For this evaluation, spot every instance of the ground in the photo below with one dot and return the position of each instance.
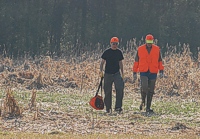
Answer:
(51, 97)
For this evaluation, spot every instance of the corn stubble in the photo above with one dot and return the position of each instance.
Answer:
(10, 106)
(82, 73)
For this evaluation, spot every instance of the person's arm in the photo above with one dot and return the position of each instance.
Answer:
(121, 67)
(160, 66)
(160, 57)
(101, 68)
(160, 63)
(102, 64)
(136, 63)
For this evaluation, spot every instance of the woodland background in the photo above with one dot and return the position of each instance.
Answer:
(49, 67)
(72, 27)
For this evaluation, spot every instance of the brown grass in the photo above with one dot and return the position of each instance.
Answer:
(78, 77)
(10, 107)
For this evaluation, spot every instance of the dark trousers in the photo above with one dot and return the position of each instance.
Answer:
(147, 90)
(109, 79)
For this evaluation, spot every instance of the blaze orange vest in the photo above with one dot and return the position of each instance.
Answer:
(148, 61)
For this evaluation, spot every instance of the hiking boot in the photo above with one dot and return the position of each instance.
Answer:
(149, 111)
(108, 110)
(149, 100)
(118, 110)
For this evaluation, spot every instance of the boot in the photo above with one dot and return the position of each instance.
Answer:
(149, 99)
(143, 95)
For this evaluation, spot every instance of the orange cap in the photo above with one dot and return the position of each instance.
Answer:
(114, 39)
(149, 38)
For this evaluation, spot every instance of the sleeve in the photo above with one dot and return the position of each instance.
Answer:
(121, 56)
(136, 63)
(104, 55)
(160, 63)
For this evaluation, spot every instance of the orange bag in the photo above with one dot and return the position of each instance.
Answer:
(97, 101)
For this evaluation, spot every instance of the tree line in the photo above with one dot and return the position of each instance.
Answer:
(36, 27)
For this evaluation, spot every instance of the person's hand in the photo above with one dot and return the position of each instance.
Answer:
(101, 74)
(161, 73)
(134, 76)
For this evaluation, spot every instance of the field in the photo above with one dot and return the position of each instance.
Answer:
(48, 98)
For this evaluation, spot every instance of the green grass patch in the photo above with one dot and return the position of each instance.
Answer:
(166, 113)
(176, 108)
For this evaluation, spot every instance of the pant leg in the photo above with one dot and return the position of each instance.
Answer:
(144, 88)
(108, 81)
(152, 85)
(119, 87)
(151, 88)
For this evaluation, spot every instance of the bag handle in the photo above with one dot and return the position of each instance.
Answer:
(100, 86)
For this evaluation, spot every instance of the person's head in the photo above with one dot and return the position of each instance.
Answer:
(149, 40)
(114, 42)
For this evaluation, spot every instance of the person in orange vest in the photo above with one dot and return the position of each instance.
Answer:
(148, 62)
(114, 73)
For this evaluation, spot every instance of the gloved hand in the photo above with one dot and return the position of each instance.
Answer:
(134, 76)
(101, 74)
(161, 73)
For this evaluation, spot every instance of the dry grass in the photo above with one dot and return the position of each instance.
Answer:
(10, 107)
(54, 95)
(59, 135)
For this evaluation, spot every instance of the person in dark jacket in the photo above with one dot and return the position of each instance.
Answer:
(113, 74)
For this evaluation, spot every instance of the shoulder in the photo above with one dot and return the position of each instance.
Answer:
(107, 50)
(119, 50)
(120, 54)
(142, 46)
(105, 54)
(156, 46)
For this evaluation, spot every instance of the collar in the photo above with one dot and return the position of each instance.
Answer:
(148, 47)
